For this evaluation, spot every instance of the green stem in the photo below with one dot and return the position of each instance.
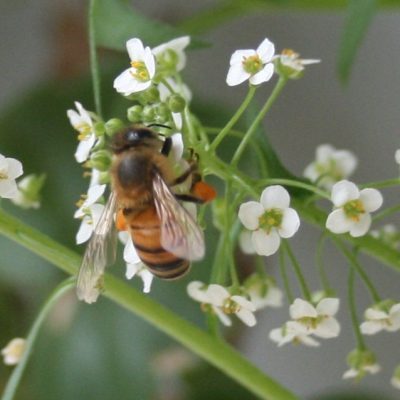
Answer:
(225, 131)
(298, 184)
(221, 355)
(15, 377)
(319, 257)
(94, 65)
(356, 265)
(253, 127)
(353, 311)
(381, 184)
(297, 269)
(285, 279)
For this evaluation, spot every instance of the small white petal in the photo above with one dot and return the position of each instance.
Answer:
(84, 147)
(266, 50)
(14, 168)
(177, 146)
(324, 153)
(275, 197)
(345, 161)
(372, 199)
(149, 62)
(328, 306)
(290, 223)
(265, 245)
(243, 302)
(337, 222)
(240, 55)
(350, 374)
(327, 328)
(370, 327)
(135, 49)
(132, 270)
(249, 214)
(263, 76)
(361, 227)
(8, 189)
(197, 291)
(236, 75)
(301, 308)
(147, 278)
(85, 231)
(344, 191)
(217, 294)
(375, 314)
(309, 341)
(222, 316)
(247, 317)
(130, 254)
(245, 243)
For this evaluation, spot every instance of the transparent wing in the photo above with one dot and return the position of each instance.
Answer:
(100, 252)
(180, 233)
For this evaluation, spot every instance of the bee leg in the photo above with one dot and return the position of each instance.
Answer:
(189, 198)
(167, 146)
(182, 178)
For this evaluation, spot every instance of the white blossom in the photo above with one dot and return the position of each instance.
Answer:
(292, 332)
(246, 243)
(378, 319)
(361, 363)
(141, 72)
(270, 219)
(89, 222)
(254, 65)
(262, 292)
(13, 352)
(82, 122)
(352, 208)
(291, 65)
(222, 303)
(357, 373)
(318, 320)
(28, 194)
(172, 53)
(330, 166)
(10, 169)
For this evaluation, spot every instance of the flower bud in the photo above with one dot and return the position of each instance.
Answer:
(99, 128)
(101, 160)
(151, 95)
(13, 352)
(29, 189)
(113, 125)
(176, 103)
(149, 113)
(134, 113)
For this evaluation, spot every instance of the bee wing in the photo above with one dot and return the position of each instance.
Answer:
(100, 252)
(180, 234)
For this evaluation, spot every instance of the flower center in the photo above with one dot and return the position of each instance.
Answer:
(271, 219)
(230, 307)
(252, 64)
(141, 73)
(354, 209)
(3, 175)
(84, 130)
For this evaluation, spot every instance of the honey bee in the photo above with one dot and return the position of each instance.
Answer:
(165, 235)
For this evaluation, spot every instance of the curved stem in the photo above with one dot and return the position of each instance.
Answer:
(319, 258)
(382, 184)
(15, 378)
(225, 131)
(94, 65)
(285, 279)
(353, 311)
(253, 127)
(218, 353)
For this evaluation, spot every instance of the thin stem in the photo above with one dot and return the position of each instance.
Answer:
(353, 311)
(356, 265)
(219, 354)
(225, 131)
(15, 377)
(382, 184)
(319, 259)
(260, 267)
(297, 269)
(94, 65)
(285, 279)
(253, 127)
(293, 183)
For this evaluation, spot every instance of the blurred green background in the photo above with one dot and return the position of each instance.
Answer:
(101, 352)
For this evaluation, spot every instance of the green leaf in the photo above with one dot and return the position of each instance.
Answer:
(116, 22)
(359, 16)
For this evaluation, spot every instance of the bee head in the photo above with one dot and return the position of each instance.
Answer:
(134, 136)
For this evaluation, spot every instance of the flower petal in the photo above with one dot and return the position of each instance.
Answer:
(372, 199)
(243, 302)
(247, 317)
(84, 147)
(328, 306)
(236, 75)
(8, 189)
(370, 327)
(361, 227)
(327, 328)
(266, 50)
(265, 245)
(344, 191)
(337, 222)
(275, 196)
(222, 316)
(249, 214)
(240, 55)
(301, 308)
(130, 254)
(14, 168)
(197, 291)
(290, 223)
(135, 49)
(263, 76)
(216, 294)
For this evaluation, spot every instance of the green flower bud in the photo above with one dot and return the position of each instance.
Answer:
(134, 113)
(101, 160)
(99, 128)
(149, 113)
(151, 95)
(113, 125)
(162, 113)
(104, 177)
(29, 189)
(176, 103)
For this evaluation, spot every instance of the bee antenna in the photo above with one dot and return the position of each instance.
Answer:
(159, 125)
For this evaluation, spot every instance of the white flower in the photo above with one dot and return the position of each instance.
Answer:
(13, 352)
(83, 123)
(330, 166)
(172, 54)
(291, 65)
(263, 292)
(358, 373)
(255, 65)
(361, 362)
(246, 243)
(89, 222)
(395, 380)
(318, 320)
(222, 303)
(94, 193)
(353, 208)
(270, 219)
(134, 266)
(10, 169)
(378, 319)
(138, 77)
(293, 332)
(28, 195)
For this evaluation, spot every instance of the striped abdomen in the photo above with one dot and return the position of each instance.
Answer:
(146, 234)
